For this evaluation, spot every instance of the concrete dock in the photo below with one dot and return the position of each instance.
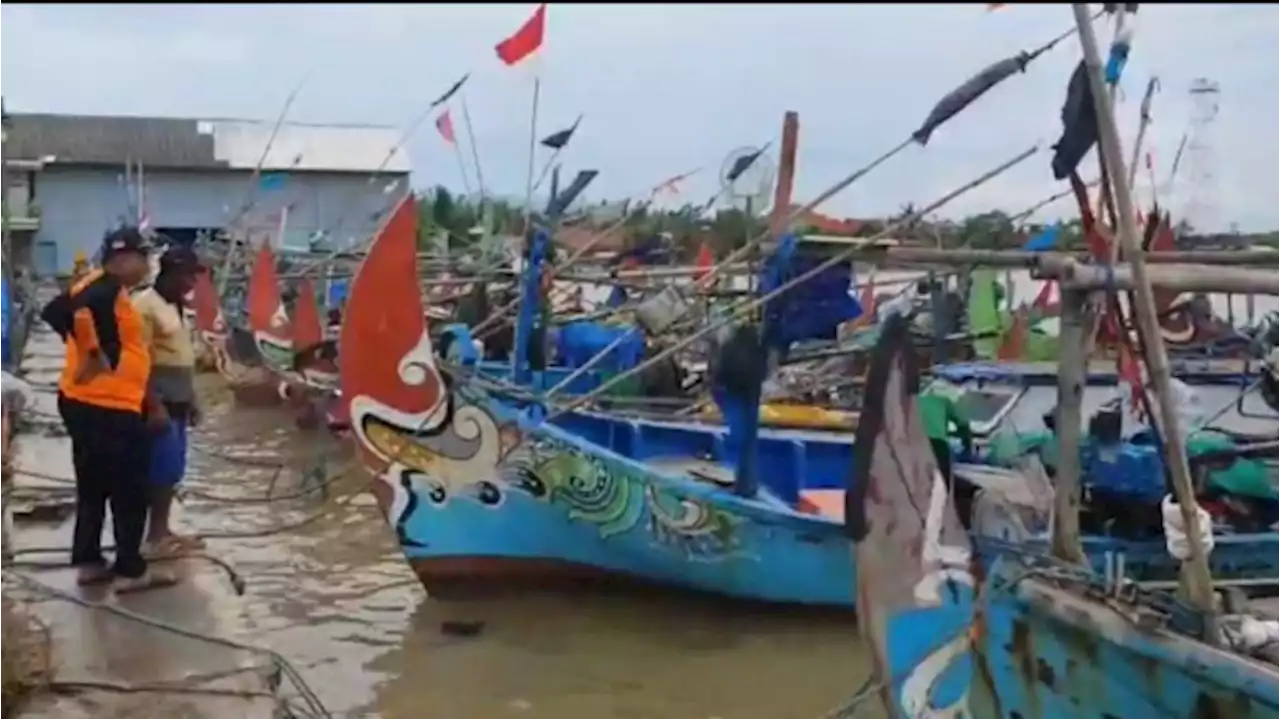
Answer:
(153, 654)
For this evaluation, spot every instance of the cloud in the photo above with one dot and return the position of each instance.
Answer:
(668, 88)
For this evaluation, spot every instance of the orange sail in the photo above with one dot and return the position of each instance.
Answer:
(307, 328)
(204, 300)
(266, 313)
(386, 354)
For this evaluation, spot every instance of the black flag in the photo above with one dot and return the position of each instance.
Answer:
(557, 140)
(562, 201)
(1079, 125)
(961, 97)
(450, 92)
(742, 164)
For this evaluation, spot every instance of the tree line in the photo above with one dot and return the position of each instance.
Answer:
(443, 213)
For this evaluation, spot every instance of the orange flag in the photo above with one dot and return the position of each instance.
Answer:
(526, 40)
(1014, 340)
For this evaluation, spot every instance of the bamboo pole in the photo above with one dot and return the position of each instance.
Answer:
(1065, 543)
(738, 311)
(1180, 278)
(1196, 569)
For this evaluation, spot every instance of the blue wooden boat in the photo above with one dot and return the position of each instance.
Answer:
(481, 492)
(1021, 636)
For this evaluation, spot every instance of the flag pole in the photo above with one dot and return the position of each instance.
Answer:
(462, 166)
(533, 146)
(542, 175)
(475, 151)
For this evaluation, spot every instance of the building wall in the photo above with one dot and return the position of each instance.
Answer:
(79, 205)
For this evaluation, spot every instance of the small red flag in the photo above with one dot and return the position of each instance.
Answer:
(1044, 300)
(868, 302)
(526, 40)
(1014, 339)
(444, 124)
(704, 262)
(1129, 372)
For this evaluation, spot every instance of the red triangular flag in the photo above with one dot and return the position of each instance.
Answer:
(526, 40)
(444, 124)
(704, 262)
(1014, 340)
(1044, 300)
(1129, 372)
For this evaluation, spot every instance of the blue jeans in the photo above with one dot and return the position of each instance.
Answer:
(169, 454)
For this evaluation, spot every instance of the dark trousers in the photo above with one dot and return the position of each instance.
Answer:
(961, 492)
(110, 449)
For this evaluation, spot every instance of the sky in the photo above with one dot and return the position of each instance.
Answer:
(668, 89)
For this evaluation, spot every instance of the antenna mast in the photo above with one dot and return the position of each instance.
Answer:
(1200, 179)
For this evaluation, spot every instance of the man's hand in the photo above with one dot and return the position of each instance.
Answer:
(157, 415)
(92, 365)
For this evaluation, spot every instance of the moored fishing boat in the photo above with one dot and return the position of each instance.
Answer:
(481, 493)
(1033, 634)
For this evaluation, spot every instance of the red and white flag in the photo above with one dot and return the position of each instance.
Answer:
(444, 124)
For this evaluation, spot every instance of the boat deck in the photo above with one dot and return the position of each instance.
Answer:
(828, 503)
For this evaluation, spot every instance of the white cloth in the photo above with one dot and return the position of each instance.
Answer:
(903, 304)
(1175, 532)
(1248, 634)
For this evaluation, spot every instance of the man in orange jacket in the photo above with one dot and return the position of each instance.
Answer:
(103, 400)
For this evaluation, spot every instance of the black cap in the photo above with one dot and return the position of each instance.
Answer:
(180, 258)
(125, 239)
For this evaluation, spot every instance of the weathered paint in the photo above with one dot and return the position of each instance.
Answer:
(78, 205)
(1050, 652)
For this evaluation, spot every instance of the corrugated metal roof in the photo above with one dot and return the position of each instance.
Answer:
(92, 140)
(307, 147)
(203, 144)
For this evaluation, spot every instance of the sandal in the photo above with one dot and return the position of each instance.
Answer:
(88, 575)
(186, 541)
(151, 579)
(171, 547)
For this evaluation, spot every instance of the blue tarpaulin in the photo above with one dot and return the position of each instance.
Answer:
(337, 293)
(810, 310)
(1046, 240)
(578, 342)
(6, 312)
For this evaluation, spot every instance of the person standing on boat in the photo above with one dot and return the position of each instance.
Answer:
(942, 418)
(103, 400)
(172, 388)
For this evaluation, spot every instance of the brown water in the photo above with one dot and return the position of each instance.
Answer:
(338, 600)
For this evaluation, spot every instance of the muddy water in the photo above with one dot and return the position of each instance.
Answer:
(338, 600)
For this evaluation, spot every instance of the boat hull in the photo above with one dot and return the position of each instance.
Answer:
(547, 507)
(1050, 653)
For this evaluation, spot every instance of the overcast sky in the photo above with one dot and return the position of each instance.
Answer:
(666, 89)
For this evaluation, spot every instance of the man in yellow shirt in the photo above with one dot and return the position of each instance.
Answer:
(172, 387)
(79, 267)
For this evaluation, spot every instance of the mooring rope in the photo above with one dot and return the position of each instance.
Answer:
(278, 661)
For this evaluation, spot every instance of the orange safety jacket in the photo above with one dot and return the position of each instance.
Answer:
(96, 317)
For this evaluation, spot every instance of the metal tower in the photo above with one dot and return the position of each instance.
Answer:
(1199, 180)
